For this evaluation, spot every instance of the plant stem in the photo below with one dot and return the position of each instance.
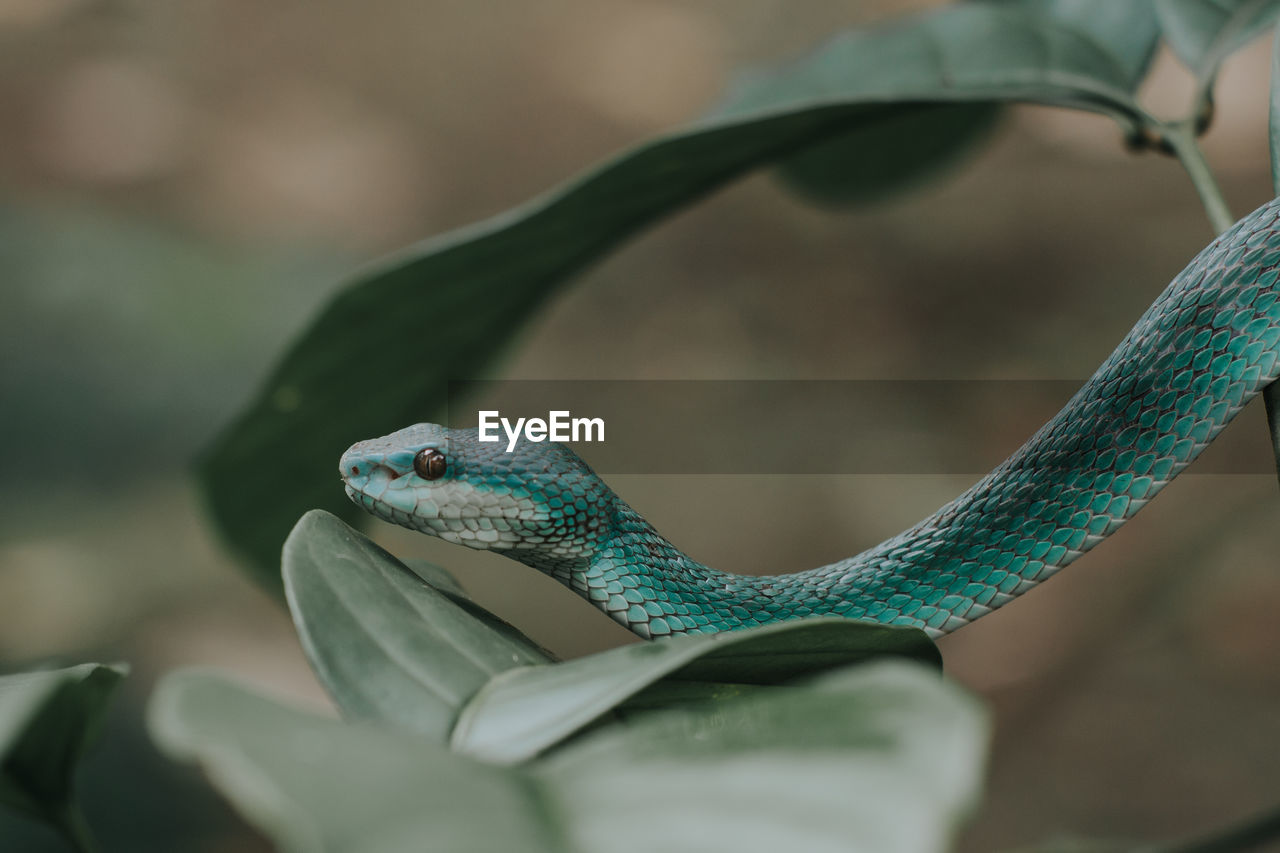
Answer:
(1182, 140)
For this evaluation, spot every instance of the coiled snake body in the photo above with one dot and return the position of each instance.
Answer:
(1206, 346)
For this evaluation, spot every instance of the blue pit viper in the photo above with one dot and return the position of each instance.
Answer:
(1205, 347)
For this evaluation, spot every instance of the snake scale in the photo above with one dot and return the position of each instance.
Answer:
(1208, 344)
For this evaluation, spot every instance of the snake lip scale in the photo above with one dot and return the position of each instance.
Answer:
(1207, 345)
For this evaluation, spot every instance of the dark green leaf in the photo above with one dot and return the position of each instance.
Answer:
(883, 758)
(438, 577)
(523, 711)
(385, 644)
(1205, 32)
(47, 721)
(889, 156)
(363, 369)
(316, 784)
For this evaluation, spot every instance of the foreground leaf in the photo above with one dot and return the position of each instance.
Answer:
(386, 645)
(316, 784)
(883, 758)
(368, 365)
(47, 722)
(523, 711)
(1203, 33)
(391, 648)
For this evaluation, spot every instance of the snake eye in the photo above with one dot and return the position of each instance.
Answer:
(430, 464)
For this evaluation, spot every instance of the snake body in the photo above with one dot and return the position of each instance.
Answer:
(1206, 346)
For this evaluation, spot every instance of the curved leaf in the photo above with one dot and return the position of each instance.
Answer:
(883, 759)
(1205, 32)
(367, 366)
(523, 711)
(386, 645)
(47, 722)
(316, 784)
(1130, 30)
(889, 156)
(870, 163)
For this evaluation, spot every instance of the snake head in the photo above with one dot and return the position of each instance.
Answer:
(539, 497)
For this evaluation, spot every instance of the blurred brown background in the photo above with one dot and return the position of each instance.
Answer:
(182, 184)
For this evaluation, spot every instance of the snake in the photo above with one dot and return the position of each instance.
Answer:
(1206, 346)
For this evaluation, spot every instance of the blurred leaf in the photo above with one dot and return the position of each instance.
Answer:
(1130, 30)
(888, 156)
(385, 644)
(873, 162)
(380, 355)
(882, 758)
(316, 784)
(1205, 32)
(47, 722)
(523, 711)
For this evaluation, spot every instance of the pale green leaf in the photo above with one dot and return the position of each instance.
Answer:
(523, 711)
(386, 645)
(1205, 32)
(884, 758)
(316, 784)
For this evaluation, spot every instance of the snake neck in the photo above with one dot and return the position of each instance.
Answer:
(637, 577)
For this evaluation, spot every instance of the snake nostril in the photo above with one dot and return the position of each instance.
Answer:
(355, 470)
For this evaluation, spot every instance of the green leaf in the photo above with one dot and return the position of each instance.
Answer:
(316, 784)
(523, 711)
(386, 645)
(889, 156)
(1129, 30)
(881, 758)
(47, 722)
(874, 162)
(1205, 32)
(374, 361)
(437, 577)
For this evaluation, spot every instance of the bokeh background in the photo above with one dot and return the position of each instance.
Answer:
(183, 184)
